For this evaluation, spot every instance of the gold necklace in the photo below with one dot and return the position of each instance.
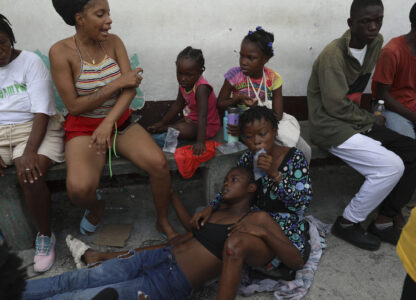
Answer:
(91, 59)
(89, 56)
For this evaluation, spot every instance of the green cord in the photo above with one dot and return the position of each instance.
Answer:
(114, 141)
(114, 150)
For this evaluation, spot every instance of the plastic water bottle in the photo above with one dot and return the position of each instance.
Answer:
(379, 109)
(233, 114)
(224, 124)
(258, 173)
(171, 140)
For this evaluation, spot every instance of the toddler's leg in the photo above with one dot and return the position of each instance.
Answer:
(188, 130)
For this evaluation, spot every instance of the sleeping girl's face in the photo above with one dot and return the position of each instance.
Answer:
(187, 72)
(237, 185)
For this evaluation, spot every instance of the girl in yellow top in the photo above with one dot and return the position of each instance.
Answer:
(406, 249)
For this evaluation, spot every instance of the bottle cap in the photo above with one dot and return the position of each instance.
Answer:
(233, 110)
(380, 101)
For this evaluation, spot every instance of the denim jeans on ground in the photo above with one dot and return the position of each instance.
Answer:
(154, 272)
(400, 124)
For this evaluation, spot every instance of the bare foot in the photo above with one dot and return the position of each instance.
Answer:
(90, 257)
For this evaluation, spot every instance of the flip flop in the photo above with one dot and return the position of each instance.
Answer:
(163, 235)
(77, 249)
(85, 225)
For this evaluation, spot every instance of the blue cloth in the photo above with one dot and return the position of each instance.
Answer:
(160, 140)
(401, 125)
(154, 272)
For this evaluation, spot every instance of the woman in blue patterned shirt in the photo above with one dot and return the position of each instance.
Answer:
(284, 186)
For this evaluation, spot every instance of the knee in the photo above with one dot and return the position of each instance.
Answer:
(234, 247)
(395, 166)
(158, 167)
(78, 191)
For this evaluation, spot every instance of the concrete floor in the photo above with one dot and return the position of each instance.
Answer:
(345, 272)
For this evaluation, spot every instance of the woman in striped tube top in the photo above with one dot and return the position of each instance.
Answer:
(92, 73)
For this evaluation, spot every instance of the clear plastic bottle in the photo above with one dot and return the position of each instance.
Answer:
(171, 140)
(256, 170)
(380, 108)
(233, 114)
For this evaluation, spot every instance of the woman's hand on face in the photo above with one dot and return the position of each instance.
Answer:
(27, 167)
(245, 226)
(101, 137)
(131, 79)
(201, 217)
(234, 130)
(2, 166)
(265, 163)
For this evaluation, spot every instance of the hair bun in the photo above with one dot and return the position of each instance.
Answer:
(68, 8)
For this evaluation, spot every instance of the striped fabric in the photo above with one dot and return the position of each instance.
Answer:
(94, 77)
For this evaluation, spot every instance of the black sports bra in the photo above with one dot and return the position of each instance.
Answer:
(213, 236)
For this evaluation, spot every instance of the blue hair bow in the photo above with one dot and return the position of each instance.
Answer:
(270, 44)
(250, 32)
(258, 28)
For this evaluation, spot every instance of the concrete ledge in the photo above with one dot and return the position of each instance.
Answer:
(317, 153)
(16, 222)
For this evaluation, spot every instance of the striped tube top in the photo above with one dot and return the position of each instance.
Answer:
(93, 77)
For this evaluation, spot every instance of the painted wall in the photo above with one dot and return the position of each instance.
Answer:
(157, 30)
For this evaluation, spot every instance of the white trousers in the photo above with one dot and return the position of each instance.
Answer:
(381, 168)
